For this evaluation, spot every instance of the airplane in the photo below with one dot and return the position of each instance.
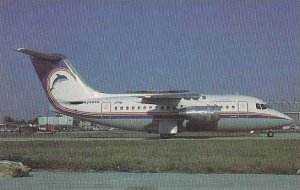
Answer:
(168, 111)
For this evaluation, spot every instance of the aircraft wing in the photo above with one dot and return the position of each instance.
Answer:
(167, 97)
(171, 96)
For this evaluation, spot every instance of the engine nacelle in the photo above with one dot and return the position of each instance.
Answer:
(201, 117)
(201, 114)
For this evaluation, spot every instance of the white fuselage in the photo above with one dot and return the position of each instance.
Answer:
(126, 111)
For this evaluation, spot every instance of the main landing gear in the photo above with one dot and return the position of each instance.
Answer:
(270, 133)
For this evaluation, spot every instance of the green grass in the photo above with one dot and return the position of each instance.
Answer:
(191, 156)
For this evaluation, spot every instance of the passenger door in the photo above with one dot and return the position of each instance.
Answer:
(242, 107)
(105, 110)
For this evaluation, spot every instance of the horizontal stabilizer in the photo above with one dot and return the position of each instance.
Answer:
(42, 55)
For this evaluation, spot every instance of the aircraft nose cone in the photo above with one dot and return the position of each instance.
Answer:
(288, 120)
(282, 119)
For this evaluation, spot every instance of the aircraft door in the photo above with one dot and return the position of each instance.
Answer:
(105, 110)
(243, 107)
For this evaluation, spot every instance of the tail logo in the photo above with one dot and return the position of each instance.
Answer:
(56, 78)
(59, 78)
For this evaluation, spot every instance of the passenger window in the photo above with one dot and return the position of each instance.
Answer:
(144, 107)
(162, 107)
(150, 107)
(258, 106)
(233, 107)
(116, 108)
(121, 108)
(139, 107)
(132, 107)
(227, 107)
(168, 107)
(127, 108)
(156, 107)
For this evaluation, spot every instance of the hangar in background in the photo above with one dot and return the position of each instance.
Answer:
(63, 121)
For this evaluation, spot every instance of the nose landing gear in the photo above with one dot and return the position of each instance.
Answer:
(270, 133)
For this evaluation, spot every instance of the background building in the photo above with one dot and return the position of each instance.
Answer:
(56, 121)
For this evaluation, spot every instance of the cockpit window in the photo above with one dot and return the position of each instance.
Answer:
(258, 106)
(264, 106)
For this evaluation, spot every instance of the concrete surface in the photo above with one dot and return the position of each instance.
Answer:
(149, 181)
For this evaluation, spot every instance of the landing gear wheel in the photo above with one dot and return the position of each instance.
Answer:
(166, 136)
(270, 134)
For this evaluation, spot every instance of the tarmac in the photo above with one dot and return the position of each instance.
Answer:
(149, 181)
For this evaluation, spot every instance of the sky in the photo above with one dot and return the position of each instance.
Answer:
(211, 47)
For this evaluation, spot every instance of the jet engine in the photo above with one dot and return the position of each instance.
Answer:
(201, 118)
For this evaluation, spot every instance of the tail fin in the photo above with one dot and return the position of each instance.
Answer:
(59, 80)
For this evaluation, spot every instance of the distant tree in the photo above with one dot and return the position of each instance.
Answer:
(8, 119)
(34, 121)
(22, 121)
